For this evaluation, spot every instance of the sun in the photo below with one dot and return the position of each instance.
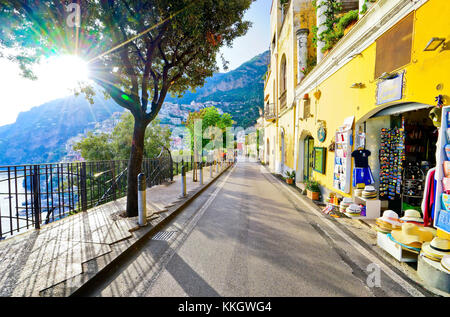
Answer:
(65, 71)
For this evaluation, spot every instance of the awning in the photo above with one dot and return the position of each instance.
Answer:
(401, 108)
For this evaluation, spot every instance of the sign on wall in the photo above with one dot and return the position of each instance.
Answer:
(390, 89)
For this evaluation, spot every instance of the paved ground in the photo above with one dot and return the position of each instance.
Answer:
(250, 235)
(61, 256)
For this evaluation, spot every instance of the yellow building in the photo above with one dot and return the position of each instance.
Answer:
(384, 73)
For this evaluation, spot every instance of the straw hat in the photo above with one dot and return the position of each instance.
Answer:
(391, 217)
(383, 224)
(437, 248)
(445, 262)
(412, 235)
(404, 246)
(412, 215)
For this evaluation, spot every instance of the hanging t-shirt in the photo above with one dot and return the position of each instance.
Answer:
(361, 158)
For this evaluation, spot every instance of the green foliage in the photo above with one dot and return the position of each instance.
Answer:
(290, 175)
(176, 51)
(329, 35)
(117, 145)
(210, 117)
(346, 20)
(312, 186)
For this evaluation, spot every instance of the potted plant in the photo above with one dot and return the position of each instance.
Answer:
(312, 190)
(290, 176)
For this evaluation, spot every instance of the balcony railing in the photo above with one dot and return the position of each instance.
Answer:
(269, 111)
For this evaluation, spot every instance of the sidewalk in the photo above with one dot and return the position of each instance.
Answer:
(62, 256)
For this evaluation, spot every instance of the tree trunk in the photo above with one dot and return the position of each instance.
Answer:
(135, 167)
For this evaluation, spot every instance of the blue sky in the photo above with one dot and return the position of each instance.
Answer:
(19, 94)
(257, 38)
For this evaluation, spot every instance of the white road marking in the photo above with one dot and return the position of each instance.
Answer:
(394, 276)
(175, 245)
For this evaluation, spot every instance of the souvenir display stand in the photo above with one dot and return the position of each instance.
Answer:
(373, 207)
(343, 160)
(394, 249)
(441, 216)
(413, 185)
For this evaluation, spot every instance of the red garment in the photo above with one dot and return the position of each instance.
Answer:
(429, 198)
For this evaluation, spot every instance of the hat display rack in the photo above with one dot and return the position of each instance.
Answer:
(441, 208)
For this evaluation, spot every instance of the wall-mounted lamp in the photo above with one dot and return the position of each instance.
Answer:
(357, 85)
(434, 43)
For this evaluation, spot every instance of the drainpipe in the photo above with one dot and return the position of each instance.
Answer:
(321, 19)
(302, 52)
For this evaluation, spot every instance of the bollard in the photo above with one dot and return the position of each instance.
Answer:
(183, 181)
(217, 167)
(142, 203)
(210, 171)
(200, 166)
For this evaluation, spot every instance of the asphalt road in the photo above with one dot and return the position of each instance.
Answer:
(250, 235)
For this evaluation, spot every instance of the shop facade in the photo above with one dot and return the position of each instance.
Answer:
(365, 122)
(358, 81)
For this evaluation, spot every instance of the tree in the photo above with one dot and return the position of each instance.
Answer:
(138, 50)
(117, 145)
(210, 117)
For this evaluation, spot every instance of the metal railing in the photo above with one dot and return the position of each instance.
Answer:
(36, 194)
(269, 111)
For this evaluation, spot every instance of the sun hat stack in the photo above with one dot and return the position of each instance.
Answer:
(345, 203)
(369, 192)
(412, 216)
(411, 237)
(445, 262)
(436, 249)
(388, 222)
(353, 210)
(358, 192)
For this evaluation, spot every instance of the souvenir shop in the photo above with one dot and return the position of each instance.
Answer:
(401, 180)
(404, 151)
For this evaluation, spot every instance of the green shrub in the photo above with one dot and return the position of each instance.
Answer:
(346, 20)
(312, 186)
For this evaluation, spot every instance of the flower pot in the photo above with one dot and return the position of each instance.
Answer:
(290, 181)
(312, 195)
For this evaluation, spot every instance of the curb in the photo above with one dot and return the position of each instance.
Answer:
(135, 246)
(376, 251)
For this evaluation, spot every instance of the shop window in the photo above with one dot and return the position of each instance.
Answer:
(393, 48)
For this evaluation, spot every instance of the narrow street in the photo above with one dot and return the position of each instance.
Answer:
(250, 235)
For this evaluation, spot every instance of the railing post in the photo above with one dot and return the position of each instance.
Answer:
(36, 203)
(183, 181)
(142, 202)
(113, 169)
(201, 173)
(210, 170)
(83, 187)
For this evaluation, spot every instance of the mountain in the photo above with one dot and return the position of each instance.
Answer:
(241, 91)
(40, 135)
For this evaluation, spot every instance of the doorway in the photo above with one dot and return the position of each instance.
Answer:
(282, 152)
(308, 159)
